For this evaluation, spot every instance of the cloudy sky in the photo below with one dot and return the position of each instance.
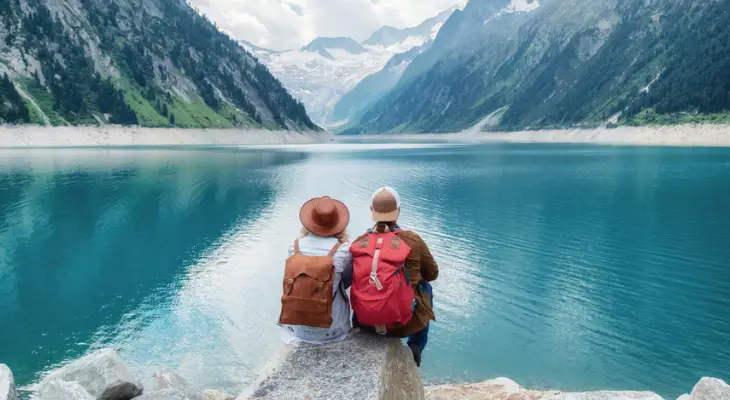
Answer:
(286, 24)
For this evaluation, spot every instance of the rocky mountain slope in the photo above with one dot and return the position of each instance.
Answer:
(354, 103)
(561, 63)
(147, 62)
(322, 72)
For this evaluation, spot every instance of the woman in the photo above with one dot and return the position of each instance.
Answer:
(315, 307)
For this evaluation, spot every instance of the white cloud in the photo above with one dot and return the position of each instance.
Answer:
(286, 24)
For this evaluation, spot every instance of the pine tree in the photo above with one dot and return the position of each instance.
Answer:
(172, 119)
(164, 110)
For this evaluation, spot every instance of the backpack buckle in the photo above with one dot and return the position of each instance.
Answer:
(375, 281)
(320, 286)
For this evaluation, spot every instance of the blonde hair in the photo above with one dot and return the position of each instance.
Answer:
(342, 237)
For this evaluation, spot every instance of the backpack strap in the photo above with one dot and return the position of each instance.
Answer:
(334, 249)
(343, 293)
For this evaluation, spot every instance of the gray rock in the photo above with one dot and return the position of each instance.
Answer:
(7, 384)
(361, 367)
(60, 390)
(164, 394)
(605, 395)
(103, 375)
(169, 385)
(212, 394)
(170, 394)
(711, 389)
(507, 389)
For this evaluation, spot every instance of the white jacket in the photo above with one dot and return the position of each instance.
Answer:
(313, 245)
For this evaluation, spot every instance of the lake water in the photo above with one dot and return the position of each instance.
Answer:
(565, 267)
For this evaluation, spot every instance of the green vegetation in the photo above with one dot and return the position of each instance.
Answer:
(12, 106)
(44, 100)
(649, 116)
(661, 63)
(173, 69)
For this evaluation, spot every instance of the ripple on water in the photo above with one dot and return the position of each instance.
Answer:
(568, 267)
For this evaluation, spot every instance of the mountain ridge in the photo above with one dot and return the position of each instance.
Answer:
(565, 64)
(148, 62)
(320, 75)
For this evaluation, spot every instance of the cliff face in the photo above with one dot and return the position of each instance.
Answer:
(147, 62)
(565, 63)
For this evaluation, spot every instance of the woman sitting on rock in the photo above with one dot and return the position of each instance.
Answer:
(315, 308)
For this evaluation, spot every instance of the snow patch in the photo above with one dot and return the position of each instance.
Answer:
(516, 6)
(646, 88)
(320, 82)
(435, 30)
(521, 6)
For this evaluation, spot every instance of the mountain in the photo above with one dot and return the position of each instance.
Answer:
(355, 102)
(322, 72)
(389, 36)
(322, 46)
(146, 62)
(561, 63)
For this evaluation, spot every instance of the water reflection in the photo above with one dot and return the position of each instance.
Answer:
(90, 237)
(568, 267)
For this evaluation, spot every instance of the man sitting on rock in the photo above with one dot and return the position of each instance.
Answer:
(391, 294)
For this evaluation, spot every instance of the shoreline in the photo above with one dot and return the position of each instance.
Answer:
(35, 136)
(696, 135)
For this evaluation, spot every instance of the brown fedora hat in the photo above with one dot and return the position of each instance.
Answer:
(324, 216)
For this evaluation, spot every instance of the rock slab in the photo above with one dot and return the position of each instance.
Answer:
(709, 389)
(212, 394)
(170, 386)
(362, 367)
(507, 389)
(60, 390)
(7, 384)
(102, 374)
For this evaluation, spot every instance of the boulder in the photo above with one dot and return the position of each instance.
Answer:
(603, 395)
(7, 384)
(170, 386)
(60, 390)
(709, 389)
(497, 389)
(102, 374)
(507, 389)
(212, 394)
(362, 367)
(166, 394)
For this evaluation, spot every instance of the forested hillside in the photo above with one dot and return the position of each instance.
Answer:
(572, 63)
(146, 62)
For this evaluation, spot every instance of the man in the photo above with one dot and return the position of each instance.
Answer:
(419, 267)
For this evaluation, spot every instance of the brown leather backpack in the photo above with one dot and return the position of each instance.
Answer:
(308, 289)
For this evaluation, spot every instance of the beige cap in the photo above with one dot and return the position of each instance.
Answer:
(385, 205)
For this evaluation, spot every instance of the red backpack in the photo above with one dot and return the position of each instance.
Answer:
(381, 292)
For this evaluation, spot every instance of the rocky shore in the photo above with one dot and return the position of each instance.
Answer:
(384, 370)
(111, 135)
(102, 375)
(506, 389)
(690, 135)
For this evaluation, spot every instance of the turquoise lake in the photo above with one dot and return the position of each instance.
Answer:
(562, 267)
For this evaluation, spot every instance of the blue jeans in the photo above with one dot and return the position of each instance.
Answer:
(420, 339)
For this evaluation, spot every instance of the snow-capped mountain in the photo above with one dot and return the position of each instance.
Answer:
(516, 6)
(323, 71)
